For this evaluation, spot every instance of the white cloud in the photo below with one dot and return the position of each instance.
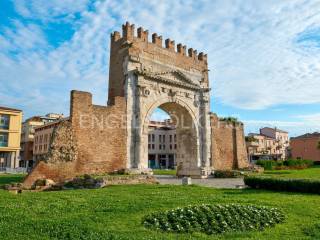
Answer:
(254, 59)
(300, 125)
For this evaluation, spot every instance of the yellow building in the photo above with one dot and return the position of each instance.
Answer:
(10, 132)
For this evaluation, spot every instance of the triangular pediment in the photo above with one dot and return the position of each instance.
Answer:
(174, 77)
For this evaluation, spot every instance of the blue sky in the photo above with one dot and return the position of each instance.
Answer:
(263, 55)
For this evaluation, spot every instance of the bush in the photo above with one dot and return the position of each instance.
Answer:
(227, 174)
(287, 164)
(278, 184)
(298, 162)
(266, 164)
(212, 219)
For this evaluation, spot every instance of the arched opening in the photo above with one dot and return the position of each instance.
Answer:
(170, 138)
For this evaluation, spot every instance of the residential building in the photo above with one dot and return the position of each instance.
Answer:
(269, 144)
(27, 136)
(281, 137)
(10, 133)
(162, 145)
(306, 146)
(42, 139)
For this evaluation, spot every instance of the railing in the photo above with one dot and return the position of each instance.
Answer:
(14, 170)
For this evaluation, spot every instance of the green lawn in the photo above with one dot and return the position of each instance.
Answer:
(309, 173)
(10, 178)
(164, 171)
(116, 212)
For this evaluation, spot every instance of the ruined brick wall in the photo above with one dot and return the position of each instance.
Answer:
(228, 149)
(100, 134)
(59, 163)
(92, 141)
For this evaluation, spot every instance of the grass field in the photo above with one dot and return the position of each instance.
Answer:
(116, 212)
(10, 178)
(308, 173)
(164, 171)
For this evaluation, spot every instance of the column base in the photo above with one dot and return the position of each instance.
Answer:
(195, 172)
(138, 171)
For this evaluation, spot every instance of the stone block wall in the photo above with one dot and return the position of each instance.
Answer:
(228, 150)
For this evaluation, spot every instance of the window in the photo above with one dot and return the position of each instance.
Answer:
(159, 138)
(175, 138)
(152, 137)
(175, 146)
(160, 146)
(170, 146)
(149, 137)
(164, 147)
(152, 146)
(40, 140)
(4, 121)
(148, 146)
(163, 138)
(170, 138)
(3, 139)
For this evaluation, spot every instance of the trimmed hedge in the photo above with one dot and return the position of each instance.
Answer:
(227, 174)
(278, 184)
(213, 219)
(287, 164)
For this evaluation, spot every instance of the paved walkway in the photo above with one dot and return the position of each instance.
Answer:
(209, 182)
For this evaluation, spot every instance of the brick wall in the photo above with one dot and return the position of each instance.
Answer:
(228, 149)
(99, 136)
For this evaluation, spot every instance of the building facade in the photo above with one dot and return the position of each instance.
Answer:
(306, 146)
(270, 144)
(42, 137)
(162, 145)
(28, 135)
(10, 133)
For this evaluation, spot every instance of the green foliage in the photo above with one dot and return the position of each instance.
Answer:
(298, 162)
(10, 178)
(287, 164)
(266, 164)
(227, 174)
(229, 119)
(251, 139)
(212, 219)
(282, 184)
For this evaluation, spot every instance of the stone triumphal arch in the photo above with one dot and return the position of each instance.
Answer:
(143, 76)
(178, 83)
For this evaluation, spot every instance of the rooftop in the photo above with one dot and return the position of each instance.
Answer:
(10, 109)
(275, 129)
(308, 135)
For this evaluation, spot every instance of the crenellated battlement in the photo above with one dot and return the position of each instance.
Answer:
(128, 34)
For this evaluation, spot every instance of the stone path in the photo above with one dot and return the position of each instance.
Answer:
(210, 182)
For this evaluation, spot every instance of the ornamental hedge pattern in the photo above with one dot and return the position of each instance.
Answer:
(214, 219)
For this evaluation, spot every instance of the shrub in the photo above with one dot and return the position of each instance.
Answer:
(278, 184)
(298, 162)
(287, 164)
(266, 164)
(227, 174)
(212, 219)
